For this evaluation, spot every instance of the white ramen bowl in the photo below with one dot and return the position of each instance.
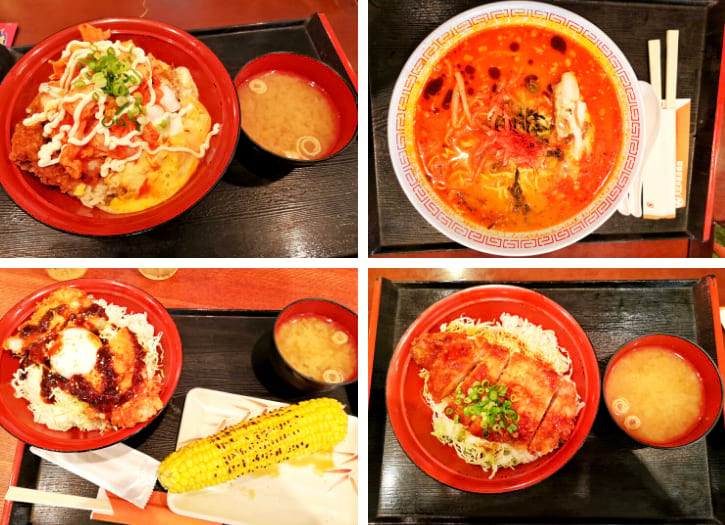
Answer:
(412, 79)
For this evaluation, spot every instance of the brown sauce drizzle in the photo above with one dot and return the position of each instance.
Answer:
(35, 352)
(82, 389)
(44, 322)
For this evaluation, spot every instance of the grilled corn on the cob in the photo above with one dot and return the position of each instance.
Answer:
(288, 432)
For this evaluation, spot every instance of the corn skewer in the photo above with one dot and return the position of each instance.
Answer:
(296, 430)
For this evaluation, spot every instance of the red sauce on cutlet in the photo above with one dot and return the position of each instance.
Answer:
(77, 385)
(82, 389)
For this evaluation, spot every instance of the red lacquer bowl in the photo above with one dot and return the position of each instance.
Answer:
(705, 367)
(318, 307)
(167, 43)
(16, 417)
(336, 88)
(411, 418)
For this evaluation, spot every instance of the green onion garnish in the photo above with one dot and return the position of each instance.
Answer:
(482, 400)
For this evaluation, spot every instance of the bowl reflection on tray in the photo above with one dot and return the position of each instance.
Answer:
(663, 391)
(315, 345)
(285, 94)
(166, 43)
(484, 147)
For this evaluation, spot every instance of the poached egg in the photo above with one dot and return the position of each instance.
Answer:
(77, 354)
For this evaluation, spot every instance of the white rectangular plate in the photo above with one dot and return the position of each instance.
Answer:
(321, 490)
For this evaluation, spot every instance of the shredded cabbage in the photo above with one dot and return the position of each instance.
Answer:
(518, 335)
(66, 411)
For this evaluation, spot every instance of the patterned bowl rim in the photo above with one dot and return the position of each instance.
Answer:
(553, 238)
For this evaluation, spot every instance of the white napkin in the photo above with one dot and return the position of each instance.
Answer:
(125, 471)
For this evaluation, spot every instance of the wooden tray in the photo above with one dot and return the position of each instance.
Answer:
(611, 479)
(396, 28)
(310, 212)
(223, 350)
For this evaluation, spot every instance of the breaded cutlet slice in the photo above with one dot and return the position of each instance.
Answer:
(453, 364)
(531, 385)
(123, 358)
(488, 369)
(558, 423)
(426, 348)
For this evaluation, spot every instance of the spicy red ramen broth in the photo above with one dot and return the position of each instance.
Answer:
(518, 128)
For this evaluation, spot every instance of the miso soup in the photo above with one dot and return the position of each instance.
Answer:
(318, 348)
(289, 115)
(654, 394)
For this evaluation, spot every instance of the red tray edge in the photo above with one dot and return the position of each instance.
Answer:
(338, 49)
(710, 203)
(373, 328)
(719, 343)
(17, 460)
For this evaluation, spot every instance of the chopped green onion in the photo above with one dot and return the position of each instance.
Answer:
(449, 411)
(456, 418)
(120, 110)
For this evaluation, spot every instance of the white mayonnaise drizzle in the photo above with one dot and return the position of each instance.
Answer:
(54, 111)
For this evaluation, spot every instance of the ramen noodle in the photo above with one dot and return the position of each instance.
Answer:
(518, 128)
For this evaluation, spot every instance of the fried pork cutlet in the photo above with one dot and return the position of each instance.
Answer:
(427, 347)
(123, 358)
(533, 384)
(48, 318)
(558, 423)
(141, 407)
(24, 146)
(452, 365)
(488, 369)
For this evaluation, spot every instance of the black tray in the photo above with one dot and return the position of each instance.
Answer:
(223, 350)
(310, 212)
(611, 479)
(396, 29)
